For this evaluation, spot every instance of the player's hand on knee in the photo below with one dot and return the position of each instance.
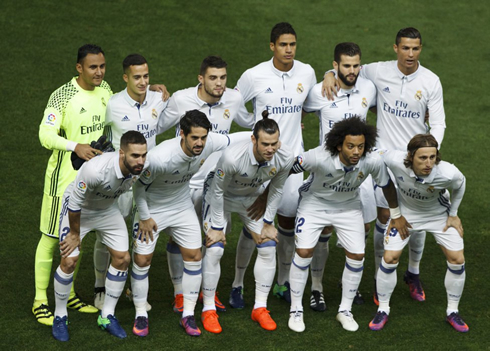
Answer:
(70, 243)
(86, 152)
(269, 232)
(455, 222)
(214, 236)
(257, 210)
(330, 86)
(401, 225)
(146, 229)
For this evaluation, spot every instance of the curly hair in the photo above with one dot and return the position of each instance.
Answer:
(350, 126)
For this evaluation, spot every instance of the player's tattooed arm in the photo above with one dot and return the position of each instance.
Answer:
(72, 239)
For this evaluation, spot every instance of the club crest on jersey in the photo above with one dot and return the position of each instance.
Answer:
(81, 185)
(226, 114)
(202, 162)
(431, 189)
(300, 88)
(154, 114)
(273, 172)
(387, 239)
(360, 176)
(205, 225)
(300, 160)
(51, 119)
(418, 95)
(220, 173)
(364, 102)
(103, 102)
(147, 173)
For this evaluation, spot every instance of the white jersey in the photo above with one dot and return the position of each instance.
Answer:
(348, 103)
(124, 114)
(98, 184)
(228, 109)
(331, 185)
(238, 175)
(165, 183)
(280, 93)
(402, 103)
(427, 197)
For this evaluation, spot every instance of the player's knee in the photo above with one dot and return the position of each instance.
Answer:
(191, 255)
(120, 260)
(383, 215)
(455, 258)
(305, 253)
(355, 256)
(142, 260)
(391, 257)
(69, 264)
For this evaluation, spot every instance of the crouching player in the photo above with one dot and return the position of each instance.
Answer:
(90, 203)
(233, 187)
(330, 197)
(423, 181)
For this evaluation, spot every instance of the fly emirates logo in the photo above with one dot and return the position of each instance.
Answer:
(400, 110)
(286, 106)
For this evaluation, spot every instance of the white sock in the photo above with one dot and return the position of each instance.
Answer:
(351, 278)
(191, 282)
(264, 271)
(416, 246)
(385, 284)
(244, 251)
(320, 256)
(102, 258)
(378, 239)
(62, 287)
(139, 287)
(175, 266)
(211, 271)
(298, 275)
(285, 251)
(454, 282)
(114, 286)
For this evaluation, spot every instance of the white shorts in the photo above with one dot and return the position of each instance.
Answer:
(181, 224)
(125, 203)
(368, 200)
(349, 226)
(109, 224)
(290, 196)
(450, 239)
(238, 205)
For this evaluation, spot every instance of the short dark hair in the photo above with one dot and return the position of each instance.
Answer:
(266, 125)
(280, 29)
(212, 61)
(194, 118)
(133, 60)
(86, 49)
(350, 126)
(409, 32)
(132, 137)
(417, 142)
(349, 49)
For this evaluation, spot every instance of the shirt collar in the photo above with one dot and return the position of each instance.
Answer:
(281, 73)
(132, 102)
(409, 77)
(201, 102)
(340, 166)
(425, 180)
(119, 173)
(343, 92)
(252, 157)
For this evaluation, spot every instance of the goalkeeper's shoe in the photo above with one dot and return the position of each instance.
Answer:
(75, 303)
(236, 298)
(112, 326)
(43, 314)
(60, 328)
(282, 291)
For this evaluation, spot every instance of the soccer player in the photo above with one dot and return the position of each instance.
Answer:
(355, 97)
(406, 91)
(233, 187)
(279, 86)
(221, 106)
(73, 118)
(163, 201)
(423, 183)
(330, 197)
(90, 203)
(134, 108)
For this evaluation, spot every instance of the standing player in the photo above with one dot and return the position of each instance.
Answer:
(90, 203)
(355, 97)
(280, 87)
(221, 106)
(406, 91)
(73, 118)
(423, 182)
(233, 187)
(163, 201)
(134, 108)
(330, 197)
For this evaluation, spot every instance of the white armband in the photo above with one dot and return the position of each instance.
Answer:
(395, 213)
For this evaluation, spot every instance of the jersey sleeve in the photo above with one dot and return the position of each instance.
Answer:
(314, 101)
(379, 171)
(170, 116)
(218, 142)
(305, 162)
(225, 170)
(243, 117)
(458, 188)
(437, 116)
(50, 133)
(87, 178)
(369, 71)
(109, 120)
(245, 86)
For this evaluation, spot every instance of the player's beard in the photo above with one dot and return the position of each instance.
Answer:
(211, 93)
(344, 80)
(132, 170)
